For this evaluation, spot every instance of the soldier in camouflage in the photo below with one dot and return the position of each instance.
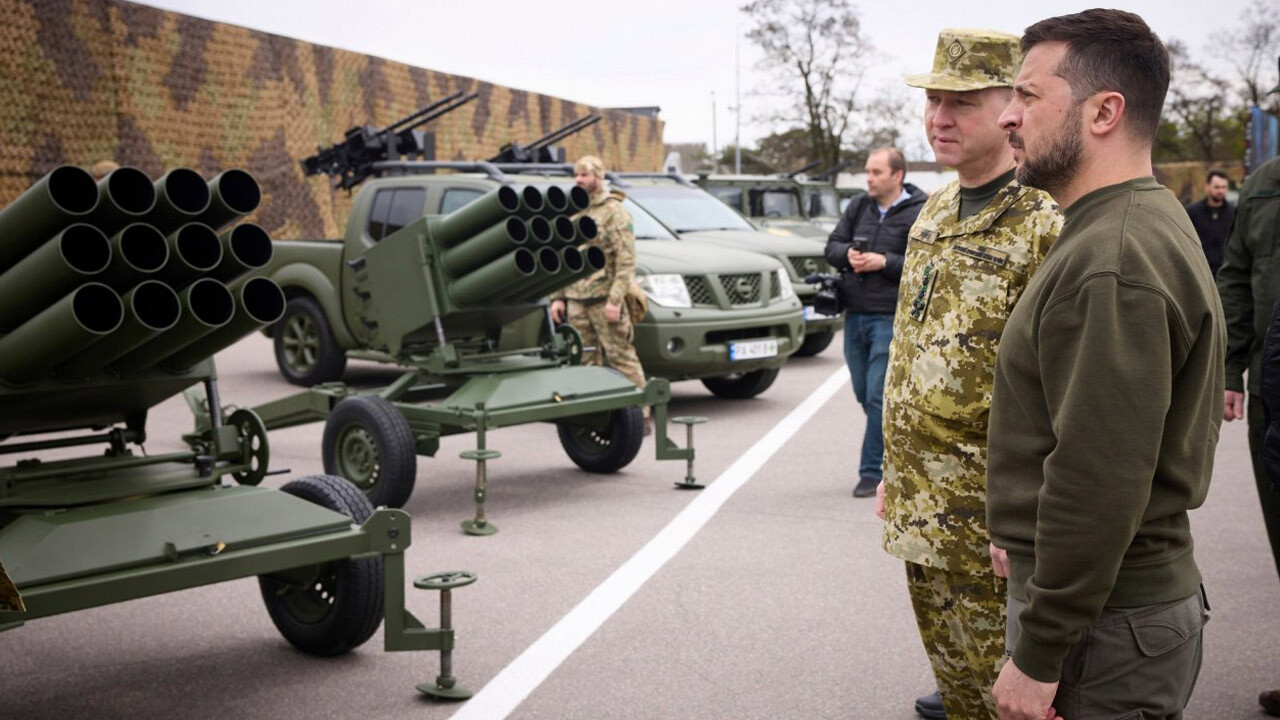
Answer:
(595, 305)
(969, 256)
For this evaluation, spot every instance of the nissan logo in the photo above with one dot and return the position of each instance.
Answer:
(810, 266)
(743, 288)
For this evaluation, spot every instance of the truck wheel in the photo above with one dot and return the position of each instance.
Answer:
(306, 352)
(815, 343)
(367, 441)
(740, 386)
(330, 608)
(607, 449)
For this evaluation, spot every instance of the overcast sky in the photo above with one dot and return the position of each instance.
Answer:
(669, 53)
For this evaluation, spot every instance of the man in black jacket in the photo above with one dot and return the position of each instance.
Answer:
(1212, 218)
(867, 248)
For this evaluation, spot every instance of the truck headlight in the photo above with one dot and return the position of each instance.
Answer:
(666, 290)
(784, 282)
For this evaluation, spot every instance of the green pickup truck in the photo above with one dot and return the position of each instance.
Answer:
(729, 318)
(697, 216)
(774, 203)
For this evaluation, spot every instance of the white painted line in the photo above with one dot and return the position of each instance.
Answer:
(513, 684)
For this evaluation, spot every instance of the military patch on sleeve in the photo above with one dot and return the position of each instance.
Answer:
(925, 235)
(920, 303)
(631, 227)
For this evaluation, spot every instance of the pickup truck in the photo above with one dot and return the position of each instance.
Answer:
(729, 318)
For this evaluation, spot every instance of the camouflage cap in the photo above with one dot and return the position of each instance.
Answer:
(591, 165)
(971, 60)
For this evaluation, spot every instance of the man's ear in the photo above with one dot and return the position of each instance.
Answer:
(1104, 112)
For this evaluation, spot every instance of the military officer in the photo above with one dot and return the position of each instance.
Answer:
(595, 305)
(969, 256)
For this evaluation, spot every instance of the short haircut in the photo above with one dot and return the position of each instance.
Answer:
(1110, 50)
(897, 162)
(1216, 173)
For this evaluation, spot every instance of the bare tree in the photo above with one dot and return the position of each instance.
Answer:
(817, 52)
(1250, 49)
(1197, 104)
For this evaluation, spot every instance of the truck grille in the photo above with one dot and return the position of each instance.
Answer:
(741, 289)
(699, 293)
(805, 264)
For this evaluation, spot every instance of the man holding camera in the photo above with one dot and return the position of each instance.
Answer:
(867, 248)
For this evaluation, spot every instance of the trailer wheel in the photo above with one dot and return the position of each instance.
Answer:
(367, 441)
(604, 449)
(741, 386)
(330, 608)
(306, 352)
(815, 343)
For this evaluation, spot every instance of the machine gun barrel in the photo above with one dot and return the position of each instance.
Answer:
(804, 169)
(414, 118)
(561, 133)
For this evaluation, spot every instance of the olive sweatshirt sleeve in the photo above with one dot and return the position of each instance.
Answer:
(1105, 344)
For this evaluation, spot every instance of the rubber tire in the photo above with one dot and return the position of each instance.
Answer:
(815, 343)
(330, 361)
(355, 585)
(741, 387)
(397, 457)
(625, 436)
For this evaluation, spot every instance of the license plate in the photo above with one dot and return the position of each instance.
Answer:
(753, 349)
(811, 314)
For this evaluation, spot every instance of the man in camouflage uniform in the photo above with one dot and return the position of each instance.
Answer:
(596, 306)
(969, 256)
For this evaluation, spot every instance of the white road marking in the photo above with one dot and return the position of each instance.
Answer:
(517, 680)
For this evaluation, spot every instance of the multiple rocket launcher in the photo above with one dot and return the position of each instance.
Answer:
(128, 276)
(510, 247)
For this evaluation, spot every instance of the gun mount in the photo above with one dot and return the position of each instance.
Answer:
(802, 170)
(540, 150)
(351, 160)
(115, 296)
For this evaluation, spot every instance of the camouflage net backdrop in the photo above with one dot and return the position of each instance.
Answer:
(91, 80)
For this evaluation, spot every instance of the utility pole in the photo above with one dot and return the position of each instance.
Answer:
(714, 149)
(737, 109)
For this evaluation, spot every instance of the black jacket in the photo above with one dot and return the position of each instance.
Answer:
(873, 292)
(1212, 230)
(1270, 395)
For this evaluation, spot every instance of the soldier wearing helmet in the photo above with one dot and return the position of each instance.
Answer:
(969, 256)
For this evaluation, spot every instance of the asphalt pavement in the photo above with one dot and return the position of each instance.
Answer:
(618, 596)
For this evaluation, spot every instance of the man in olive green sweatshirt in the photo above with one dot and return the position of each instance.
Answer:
(1108, 393)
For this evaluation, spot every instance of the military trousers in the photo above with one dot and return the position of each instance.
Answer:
(1268, 495)
(1132, 663)
(961, 617)
(613, 343)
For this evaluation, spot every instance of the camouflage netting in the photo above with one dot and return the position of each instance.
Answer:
(89, 80)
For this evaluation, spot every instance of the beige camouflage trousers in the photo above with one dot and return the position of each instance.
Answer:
(612, 341)
(10, 600)
(962, 622)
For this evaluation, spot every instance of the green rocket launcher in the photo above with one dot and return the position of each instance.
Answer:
(114, 296)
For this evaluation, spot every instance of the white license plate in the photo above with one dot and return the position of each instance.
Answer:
(753, 349)
(811, 314)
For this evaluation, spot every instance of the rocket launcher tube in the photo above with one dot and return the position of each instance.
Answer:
(539, 230)
(64, 196)
(512, 269)
(565, 231)
(587, 229)
(245, 247)
(475, 216)
(206, 306)
(259, 302)
(125, 195)
(137, 251)
(494, 242)
(88, 313)
(532, 201)
(181, 197)
(232, 195)
(571, 264)
(52, 270)
(579, 200)
(549, 269)
(194, 251)
(150, 308)
(557, 201)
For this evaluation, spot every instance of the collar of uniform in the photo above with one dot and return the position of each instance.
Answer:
(982, 220)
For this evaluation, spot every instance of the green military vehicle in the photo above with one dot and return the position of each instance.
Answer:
(698, 217)
(116, 294)
(821, 204)
(775, 203)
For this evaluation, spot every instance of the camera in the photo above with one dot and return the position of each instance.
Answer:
(860, 244)
(827, 301)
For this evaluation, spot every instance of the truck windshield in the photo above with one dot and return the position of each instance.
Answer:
(779, 203)
(823, 202)
(688, 209)
(646, 227)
